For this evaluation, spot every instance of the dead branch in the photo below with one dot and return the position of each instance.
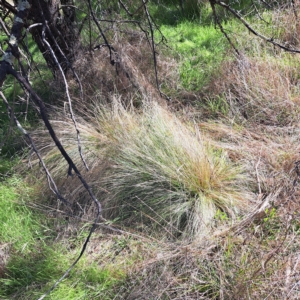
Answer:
(236, 14)
(51, 182)
(212, 4)
(152, 44)
(67, 94)
(6, 68)
(8, 6)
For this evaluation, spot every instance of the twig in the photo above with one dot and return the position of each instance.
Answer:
(266, 4)
(53, 188)
(68, 97)
(159, 216)
(294, 9)
(110, 48)
(72, 266)
(4, 27)
(257, 12)
(9, 7)
(288, 276)
(125, 8)
(252, 30)
(257, 175)
(222, 28)
(152, 44)
(66, 60)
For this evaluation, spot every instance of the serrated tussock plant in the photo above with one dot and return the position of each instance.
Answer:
(159, 171)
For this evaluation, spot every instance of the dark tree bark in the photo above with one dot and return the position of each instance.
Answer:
(15, 37)
(57, 19)
(59, 29)
(28, 10)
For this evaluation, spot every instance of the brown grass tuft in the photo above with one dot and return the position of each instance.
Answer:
(261, 91)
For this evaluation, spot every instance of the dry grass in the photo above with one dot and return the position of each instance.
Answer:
(225, 193)
(150, 154)
(261, 92)
(287, 24)
(132, 75)
(150, 169)
(260, 261)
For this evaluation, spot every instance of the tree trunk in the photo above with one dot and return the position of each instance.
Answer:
(60, 31)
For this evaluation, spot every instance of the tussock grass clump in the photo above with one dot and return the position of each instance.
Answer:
(167, 171)
(150, 169)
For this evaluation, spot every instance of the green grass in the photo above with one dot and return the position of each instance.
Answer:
(19, 227)
(35, 261)
(200, 48)
(29, 276)
(200, 51)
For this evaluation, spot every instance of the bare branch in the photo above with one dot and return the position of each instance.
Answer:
(252, 30)
(258, 13)
(52, 185)
(221, 27)
(110, 48)
(294, 9)
(8, 6)
(152, 44)
(4, 27)
(6, 68)
(71, 164)
(67, 94)
(125, 8)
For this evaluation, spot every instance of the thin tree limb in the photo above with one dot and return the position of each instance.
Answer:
(6, 68)
(110, 48)
(8, 6)
(67, 94)
(152, 44)
(251, 29)
(4, 27)
(125, 8)
(222, 28)
(53, 188)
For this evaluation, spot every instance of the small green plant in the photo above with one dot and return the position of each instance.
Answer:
(270, 214)
(218, 105)
(271, 224)
(221, 216)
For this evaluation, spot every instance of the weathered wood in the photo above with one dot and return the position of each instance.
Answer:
(12, 52)
(62, 34)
